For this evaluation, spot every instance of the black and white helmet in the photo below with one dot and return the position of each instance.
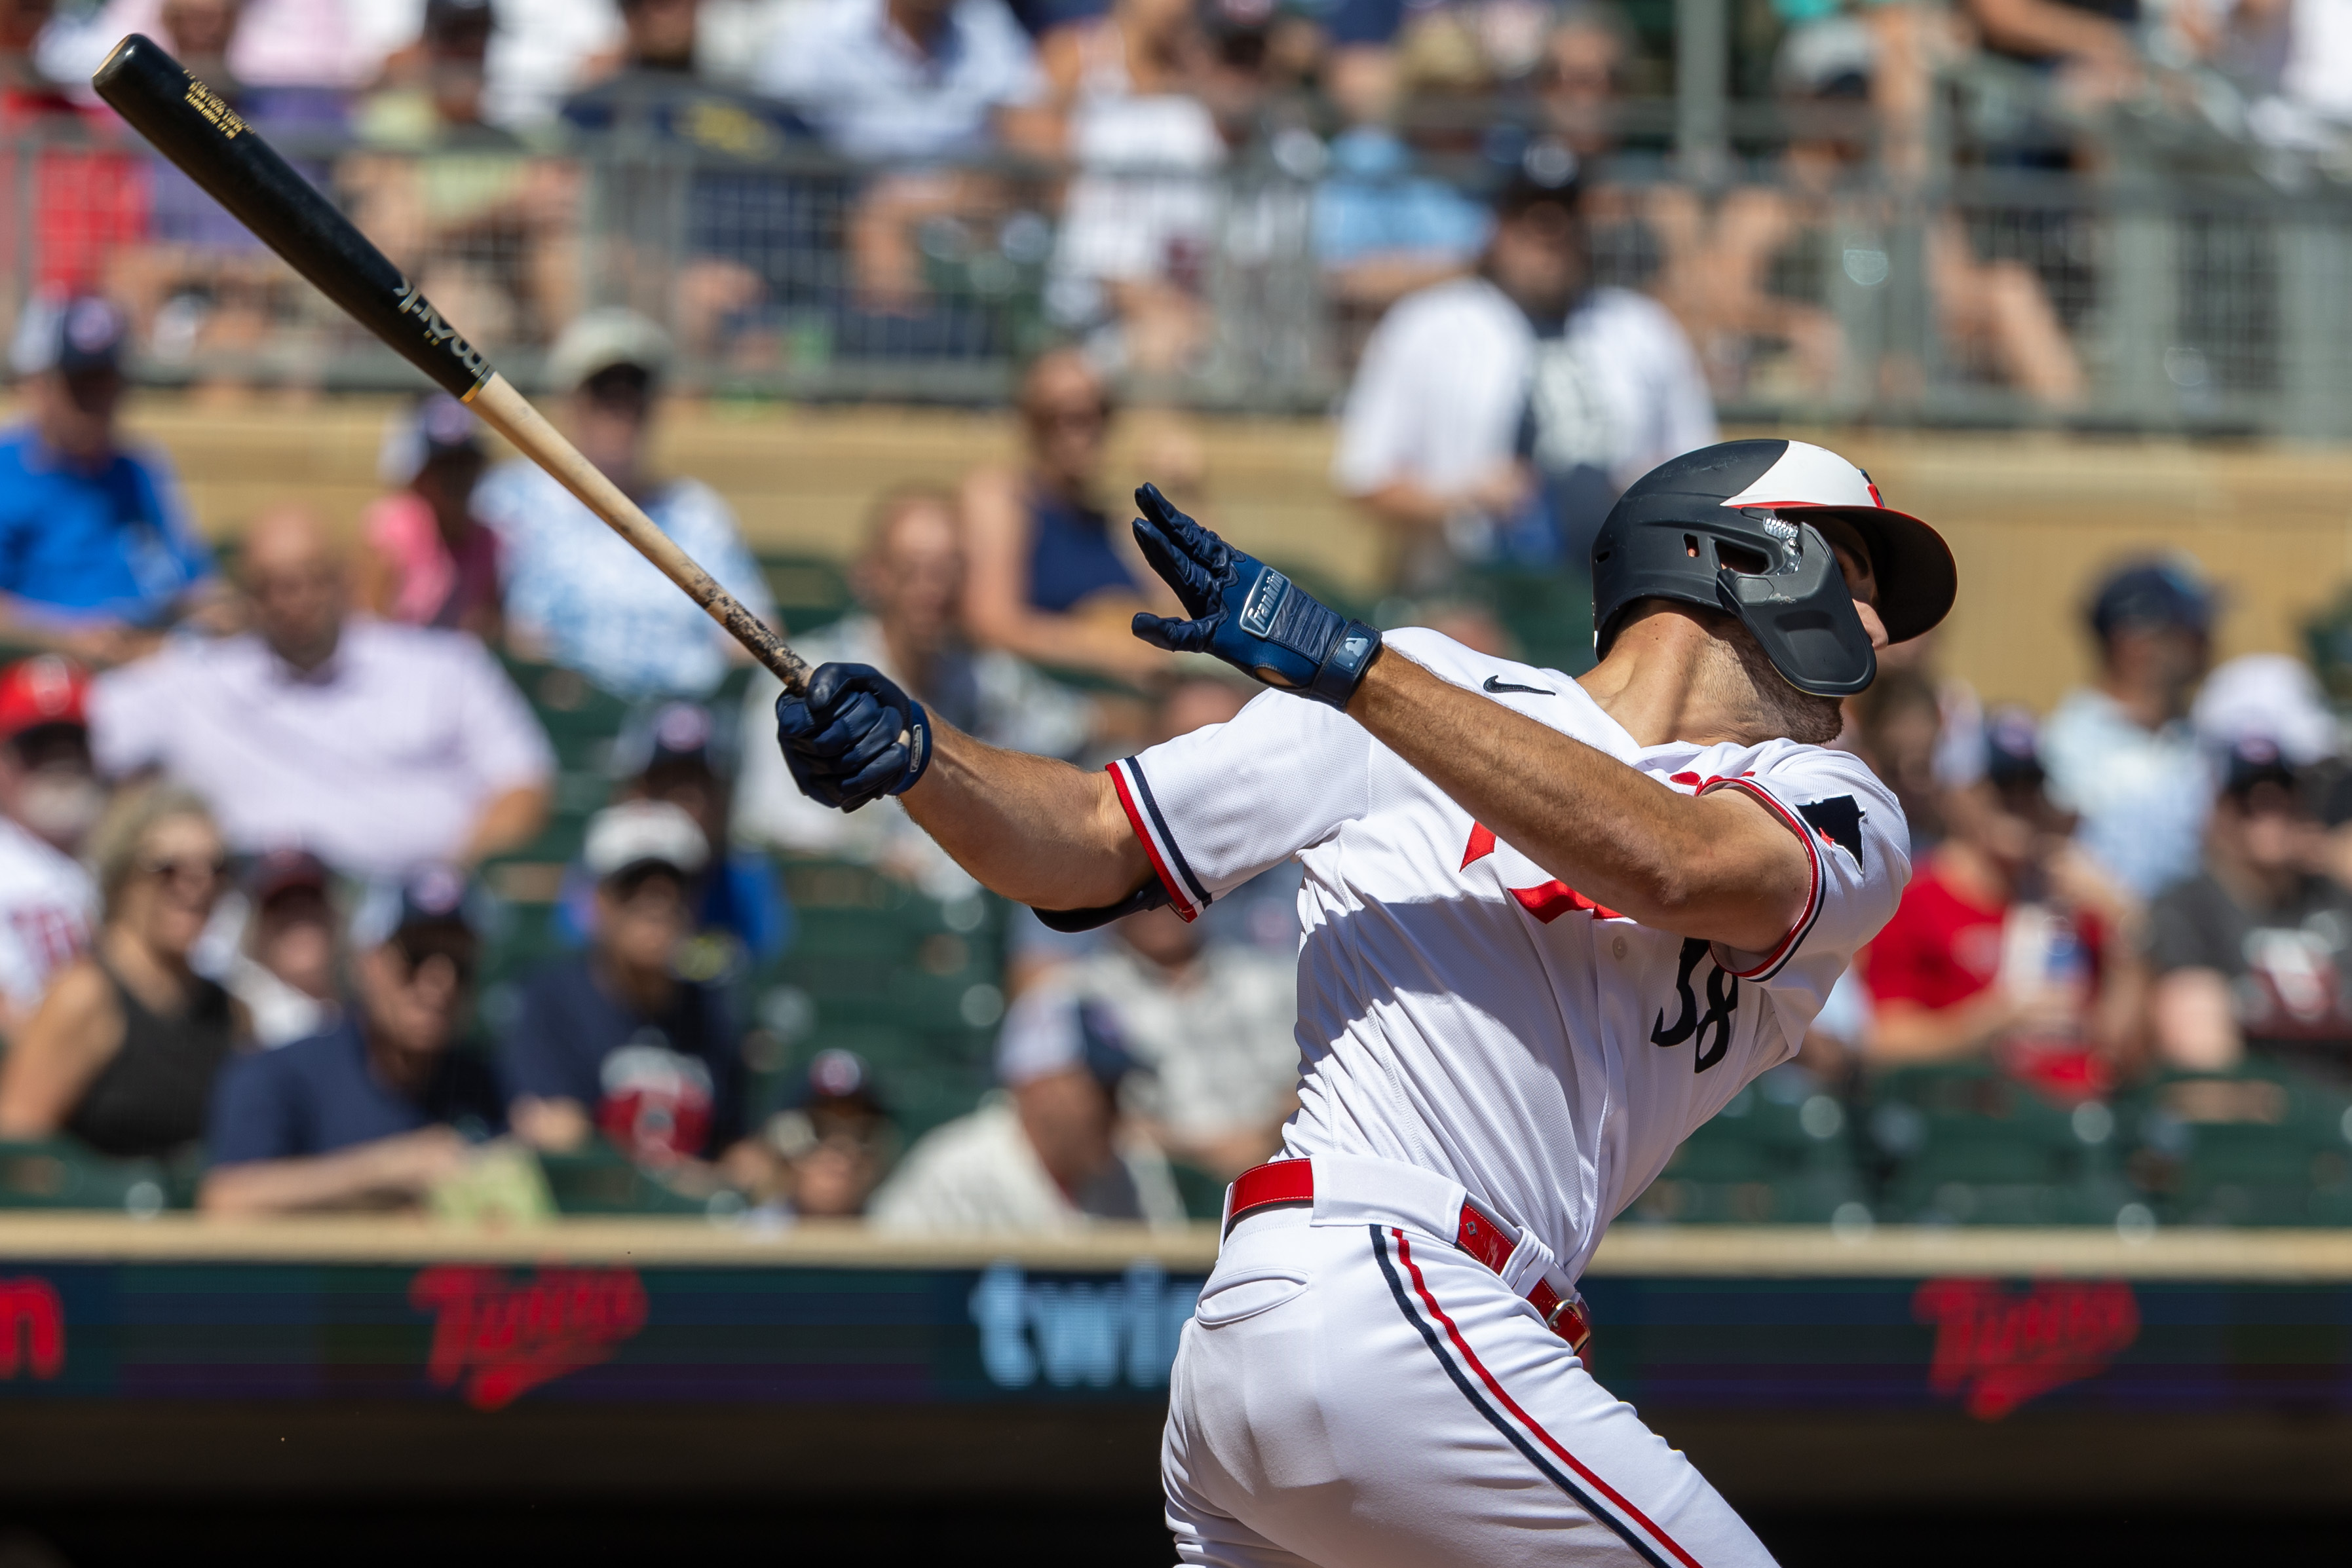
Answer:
(1731, 527)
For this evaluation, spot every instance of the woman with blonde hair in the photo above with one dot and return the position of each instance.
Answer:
(122, 1050)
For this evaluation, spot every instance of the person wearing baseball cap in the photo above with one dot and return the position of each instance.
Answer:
(383, 1105)
(2121, 752)
(285, 972)
(684, 754)
(1052, 1152)
(2008, 944)
(833, 1140)
(430, 561)
(2252, 956)
(615, 1040)
(101, 554)
(1475, 430)
(49, 800)
(575, 592)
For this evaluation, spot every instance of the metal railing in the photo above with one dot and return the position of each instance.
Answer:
(2134, 299)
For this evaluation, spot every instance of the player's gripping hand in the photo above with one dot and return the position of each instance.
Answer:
(854, 737)
(1246, 613)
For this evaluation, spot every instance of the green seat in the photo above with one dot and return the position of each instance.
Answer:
(908, 982)
(580, 718)
(599, 1179)
(810, 591)
(62, 1173)
(1548, 613)
(2264, 1146)
(1779, 1152)
(1969, 1146)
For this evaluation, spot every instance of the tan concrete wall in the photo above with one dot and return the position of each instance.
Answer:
(2032, 518)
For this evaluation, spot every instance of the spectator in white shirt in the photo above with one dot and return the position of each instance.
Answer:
(1051, 1153)
(911, 82)
(50, 798)
(910, 581)
(575, 593)
(1212, 1023)
(381, 748)
(904, 81)
(1496, 417)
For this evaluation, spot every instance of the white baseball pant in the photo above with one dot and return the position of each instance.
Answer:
(1366, 1395)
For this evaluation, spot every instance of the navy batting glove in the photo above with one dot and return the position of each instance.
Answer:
(1246, 613)
(854, 737)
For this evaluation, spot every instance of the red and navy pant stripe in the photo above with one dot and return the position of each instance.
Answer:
(1490, 1400)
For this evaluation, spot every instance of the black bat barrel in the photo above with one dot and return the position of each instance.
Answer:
(194, 127)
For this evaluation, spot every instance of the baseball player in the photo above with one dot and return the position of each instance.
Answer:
(1550, 925)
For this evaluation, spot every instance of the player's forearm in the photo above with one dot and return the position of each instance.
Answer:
(1036, 830)
(1714, 866)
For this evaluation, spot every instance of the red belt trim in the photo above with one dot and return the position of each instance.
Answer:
(1480, 1234)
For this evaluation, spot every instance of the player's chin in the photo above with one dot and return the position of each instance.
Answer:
(1810, 720)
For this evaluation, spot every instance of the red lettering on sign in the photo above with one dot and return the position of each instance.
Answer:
(501, 1338)
(31, 1327)
(1999, 1349)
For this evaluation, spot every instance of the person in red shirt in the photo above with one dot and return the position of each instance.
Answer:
(2010, 942)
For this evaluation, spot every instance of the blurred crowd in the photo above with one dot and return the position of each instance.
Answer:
(274, 816)
(1110, 157)
(255, 823)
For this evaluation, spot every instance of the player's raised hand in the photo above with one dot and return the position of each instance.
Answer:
(855, 737)
(1246, 613)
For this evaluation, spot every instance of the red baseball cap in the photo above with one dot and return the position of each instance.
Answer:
(45, 689)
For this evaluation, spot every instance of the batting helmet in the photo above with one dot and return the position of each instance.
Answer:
(1731, 526)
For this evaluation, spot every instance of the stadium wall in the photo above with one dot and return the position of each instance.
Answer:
(2033, 517)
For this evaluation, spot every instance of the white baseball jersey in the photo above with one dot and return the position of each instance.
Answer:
(1460, 1008)
(48, 905)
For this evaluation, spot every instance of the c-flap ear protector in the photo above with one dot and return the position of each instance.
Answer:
(1802, 613)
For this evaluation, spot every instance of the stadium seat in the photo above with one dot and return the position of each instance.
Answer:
(1548, 613)
(599, 1179)
(61, 1172)
(810, 591)
(1968, 1146)
(1780, 1152)
(2264, 1146)
(911, 983)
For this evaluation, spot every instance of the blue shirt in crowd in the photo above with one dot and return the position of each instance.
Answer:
(114, 543)
(318, 1095)
(572, 1039)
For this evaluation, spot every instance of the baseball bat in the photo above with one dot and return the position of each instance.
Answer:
(194, 127)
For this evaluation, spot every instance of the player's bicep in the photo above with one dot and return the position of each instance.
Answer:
(1856, 849)
(1214, 807)
(1759, 872)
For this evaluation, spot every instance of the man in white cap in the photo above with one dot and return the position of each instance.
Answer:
(576, 593)
(1050, 1152)
(613, 1040)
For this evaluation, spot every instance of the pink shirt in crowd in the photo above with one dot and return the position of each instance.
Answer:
(380, 759)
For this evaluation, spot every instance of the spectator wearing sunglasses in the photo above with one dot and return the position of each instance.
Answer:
(382, 1107)
(123, 1050)
(576, 593)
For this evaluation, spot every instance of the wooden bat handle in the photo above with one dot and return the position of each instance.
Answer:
(509, 413)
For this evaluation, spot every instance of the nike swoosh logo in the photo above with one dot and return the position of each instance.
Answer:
(1499, 686)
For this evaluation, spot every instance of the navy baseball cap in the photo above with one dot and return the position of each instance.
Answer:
(837, 1077)
(90, 334)
(2013, 749)
(2253, 762)
(445, 16)
(430, 897)
(2156, 593)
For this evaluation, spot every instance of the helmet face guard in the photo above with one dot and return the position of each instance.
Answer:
(1781, 578)
(1728, 528)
